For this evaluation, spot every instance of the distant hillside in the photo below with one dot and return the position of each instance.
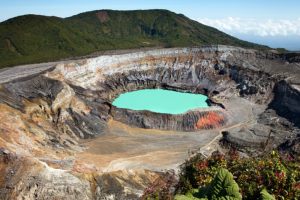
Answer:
(32, 38)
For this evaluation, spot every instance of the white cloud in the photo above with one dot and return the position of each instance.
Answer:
(258, 27)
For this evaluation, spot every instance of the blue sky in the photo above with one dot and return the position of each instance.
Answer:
(272, 22)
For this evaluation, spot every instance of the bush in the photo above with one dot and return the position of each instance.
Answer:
(222, 187)
(278, 175)
(270, 175)
(160, 188)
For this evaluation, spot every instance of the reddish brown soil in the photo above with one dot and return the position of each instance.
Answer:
(103, 16)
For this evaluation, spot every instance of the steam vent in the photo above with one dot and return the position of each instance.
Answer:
(61, 137)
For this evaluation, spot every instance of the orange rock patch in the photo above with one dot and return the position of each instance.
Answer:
(212, 120)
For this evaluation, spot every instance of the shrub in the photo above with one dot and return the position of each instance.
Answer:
(160, 188)
(265, 177)
(278, 175)
(222, 187)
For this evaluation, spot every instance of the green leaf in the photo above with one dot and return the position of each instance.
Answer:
(266, 196)
(183, 197)
(194, 194)
(224, 187)
(202, 193)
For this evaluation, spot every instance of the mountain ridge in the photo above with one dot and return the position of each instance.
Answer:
(34, 38)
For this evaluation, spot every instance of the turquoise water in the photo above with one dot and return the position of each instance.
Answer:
(160, 101)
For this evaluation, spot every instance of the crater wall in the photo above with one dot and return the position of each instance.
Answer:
(46, 117)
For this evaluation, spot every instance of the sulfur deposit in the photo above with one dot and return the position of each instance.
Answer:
(61, 137)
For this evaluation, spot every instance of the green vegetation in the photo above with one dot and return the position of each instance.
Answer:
(282, 50)
(269, 176)
(32, 38)
(160, 188)
(222, 187)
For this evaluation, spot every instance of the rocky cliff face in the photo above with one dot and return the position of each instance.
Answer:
(212, 118)
(49, 120)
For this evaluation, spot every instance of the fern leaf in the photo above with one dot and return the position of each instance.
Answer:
(195, 194)
(224, 187)
(188, 197)
(266, 196)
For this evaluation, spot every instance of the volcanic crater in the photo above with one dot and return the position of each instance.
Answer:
(59, 126)
(207, 118)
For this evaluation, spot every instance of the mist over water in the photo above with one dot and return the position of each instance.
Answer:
(160, 101)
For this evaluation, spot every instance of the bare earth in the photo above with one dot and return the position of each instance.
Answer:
(124, 148)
